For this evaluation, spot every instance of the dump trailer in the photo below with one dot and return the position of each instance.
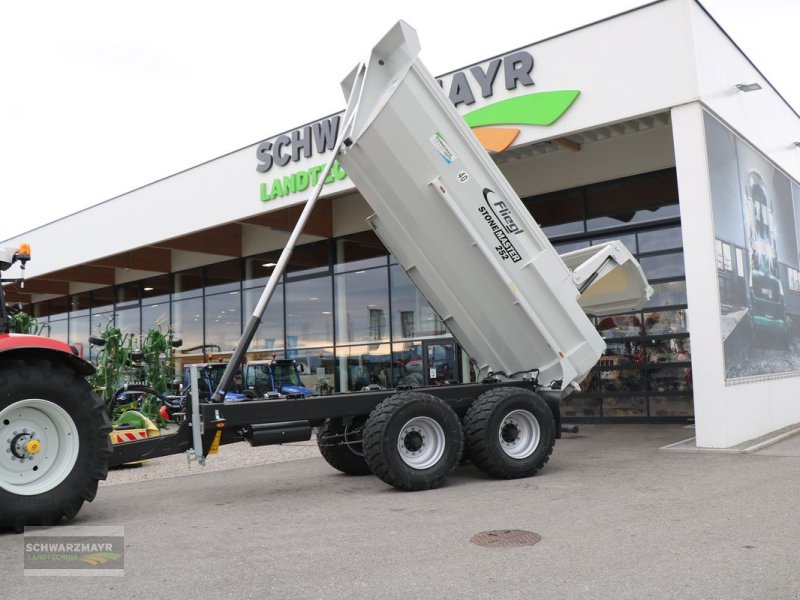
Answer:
(455, 225)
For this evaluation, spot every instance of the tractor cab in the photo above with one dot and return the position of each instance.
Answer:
(209, 375)
(281, 376)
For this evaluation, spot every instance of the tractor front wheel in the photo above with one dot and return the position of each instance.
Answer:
(54, 444)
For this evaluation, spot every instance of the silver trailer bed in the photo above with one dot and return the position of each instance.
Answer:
(455, 224)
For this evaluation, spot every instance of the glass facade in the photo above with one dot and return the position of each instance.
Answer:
(350, 314)
(645, 373)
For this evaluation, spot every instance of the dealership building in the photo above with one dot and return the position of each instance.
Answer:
(651, 127)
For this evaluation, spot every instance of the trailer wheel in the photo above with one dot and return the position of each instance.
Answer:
(54, 444)
(510, 432)
(342, 446)
(413, 441)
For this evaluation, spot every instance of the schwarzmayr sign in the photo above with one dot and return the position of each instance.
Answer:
(542, 108)
(300, 143)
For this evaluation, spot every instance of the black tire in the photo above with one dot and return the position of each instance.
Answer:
(508, 412)
(403, 412)
(341, 446)
(52, 383)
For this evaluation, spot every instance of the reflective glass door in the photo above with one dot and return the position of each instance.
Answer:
(441, 362)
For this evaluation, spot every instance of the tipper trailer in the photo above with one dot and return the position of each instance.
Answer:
(455, 225)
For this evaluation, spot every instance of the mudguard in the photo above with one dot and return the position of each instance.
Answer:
(24, 346)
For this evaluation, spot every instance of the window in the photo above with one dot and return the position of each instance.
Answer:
(664, 266)
(156, 316)
(309, 313)
(350, 292)
(59, 308)
(79, 304)
(317, 368)
(223, 320)
(629, 325)
(79, 335)
(660, 239)
(269, 335)
(363, 366)
(559, 213)
(669, 379)
(412, 316)
(645, 371)
(102, 299)
(257, 269)
(668, 350)
(101, 321)
(223, 277)
(794, 280)
(127, 294)
(629, 241)
(359, 251)
(665, 321)
(724, 256)
(668, 293)
(739, 262)
(156, 290)
(58, 330)
(309, 259)
(362, 306)
(727, 262)
(565, 247)
(188, 284)
(640, 199)
(624, 406)
(671, 406)
(128, 320)
(407, 364)
(581, 406)
(188, 324)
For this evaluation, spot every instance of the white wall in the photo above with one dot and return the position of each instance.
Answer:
(638, 63)
(761, 117)
(697, 223)
(726, 415)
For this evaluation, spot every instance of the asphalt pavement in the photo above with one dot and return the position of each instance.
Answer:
(618, 518)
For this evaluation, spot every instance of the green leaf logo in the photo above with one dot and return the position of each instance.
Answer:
(542, 108)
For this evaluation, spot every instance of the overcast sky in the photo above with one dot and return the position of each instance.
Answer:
(99, 98)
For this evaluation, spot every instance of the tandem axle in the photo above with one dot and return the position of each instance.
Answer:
(282, 420)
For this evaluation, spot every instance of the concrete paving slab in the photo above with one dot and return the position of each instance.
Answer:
(618, 518)
(786, 447)
(773, 438)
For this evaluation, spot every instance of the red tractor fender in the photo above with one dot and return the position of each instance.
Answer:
(21, 345)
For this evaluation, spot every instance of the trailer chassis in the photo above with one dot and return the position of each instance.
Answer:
(290, 420)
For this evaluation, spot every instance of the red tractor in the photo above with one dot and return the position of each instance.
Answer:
(54, 443)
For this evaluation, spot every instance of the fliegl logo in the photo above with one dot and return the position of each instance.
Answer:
(498, 218)
(538, 108)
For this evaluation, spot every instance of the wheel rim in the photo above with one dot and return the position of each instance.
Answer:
(519, 434)
(39, 446)
(421, 443)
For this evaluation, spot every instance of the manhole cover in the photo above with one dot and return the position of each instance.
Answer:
(505, 538)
